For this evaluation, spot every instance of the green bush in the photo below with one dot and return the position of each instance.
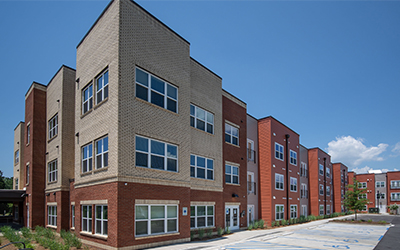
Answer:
(220, 231)
(227, 230)
(262, 224)
(191, 235)
(273, 224)
(209, 233)
(277, 223)
(70, 239)
(13, 236)
(250, 227)
(284, 222)
(26, 233)
(201, 233)
(256, 224)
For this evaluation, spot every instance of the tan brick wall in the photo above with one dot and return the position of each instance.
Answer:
(19, 168)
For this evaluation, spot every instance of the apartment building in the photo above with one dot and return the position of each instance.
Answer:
(393, 188)
(381, 192)
(367, 181)
(340, 182)
(19, 146)
(278, 170)
(252, 170)
(304, 182)
(321, 184)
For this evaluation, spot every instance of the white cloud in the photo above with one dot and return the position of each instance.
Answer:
(361, 170)
(396, 149)
(353, 152)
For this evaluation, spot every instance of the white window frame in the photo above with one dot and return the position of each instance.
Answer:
(208, 167)
(149, 219)
(321, 188)
(101, 217)
(101, 160)
(87, 162)
(250, 185)
(321, 210)
(328, 209)
(52, 168)
(52, 216)
(16, 157)
(149, 153)
(293, 157)
(208, 119)
(194, 215)
(87, 219)
(395, 184)
(380, 184)
(328, 172)
(303, 169)
(393, 196)
(28, 134)
(279, 151)
(87, 98)
(293, 184)
(229, 131)
(328, 190)
(293, 211)
(53, 126)
(279, 182)
(362, 185)
(279, 212)
(232, 174)
(166, 95)
(304, 210)
(362, 196)
(321, 169)
(102, 89)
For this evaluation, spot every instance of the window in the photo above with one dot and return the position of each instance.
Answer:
(321, 189)
(102, 153)
(362, 196)
(102, 87)
(161, 93)
(328, 191)
(73, 216)
(87, 98)
(201, 216)
(155, 154)
(279, 212)
(16, 184)
(304, 210)
(28, 134)
(321, 169)
(87, 158)
(101, 219)
(201, 119)
(251, 154)
(231, 134)
(303, 169)
(293, 211)
(251, 185)
(362, 185)
(394, 184)
(364, 208)
(279, 182)
(381, 195)
(231, 174)
(328, 172)
(27, 174)
(328, 209)
(293, 184)
(201, 167)
(155, 219)
(16, 157)
(303, 191)
(53, 126)
(395, 196)
(380, 184)
(52, 171)
(293, 157)
(52, 215)
(278, 151)
(87, 218)
(321, 209)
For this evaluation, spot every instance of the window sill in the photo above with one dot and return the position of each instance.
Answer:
(100, 169)
(87, 173)
(51, 226)
(201, 131)
(87, 112)
(155, 236)
(156, 169)
(52, 138)
(99, 236)
(233, 184)
(52, 182)
(200, 178)
(232, 144)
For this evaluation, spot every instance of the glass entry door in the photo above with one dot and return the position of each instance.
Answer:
(232, 217)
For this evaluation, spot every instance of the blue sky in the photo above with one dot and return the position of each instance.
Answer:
(330, 70)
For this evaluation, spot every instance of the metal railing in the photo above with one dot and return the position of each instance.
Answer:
(251, 155)
(251, 187)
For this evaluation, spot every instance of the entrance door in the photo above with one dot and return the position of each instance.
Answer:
(232, 217)
(250, 214)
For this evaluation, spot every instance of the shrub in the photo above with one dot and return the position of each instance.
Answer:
(26, 233)
(191, 235)
(369, 220)
(284, 222)
(273, 224)
(277, 223)
(13, 236)
(262, 224)
(250, 227)
(256, 224)
(220, 231)
(209, 233)
(227, 230)
(201, 233)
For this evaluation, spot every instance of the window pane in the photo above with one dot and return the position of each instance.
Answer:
(235, 140)
(157, 162)
(201, 222)
(157, 99)
(141, 92)
(210, 221)
(141, 160)
(105, 227)
(171, 105)
(105, 144)
(227, 178)
(142, 144)
(192, 211)
(172, 151)
(192, 110)
(200, 113)
(227, 138)
(172, 212)
(192, 160)
(171, 226)
(210, 118)
(157, 84)
(171, 165)
(157, 212)
(98, 227)
(228, 129)
(141, 212)
(235, 132)
(157, 148)
(192, 172)
(157, 226)
(99, 145)
(210, 210)
(209, 128)
(192, 121)
(142, 77)
(201, 162)
(105, 212)
(235, 170)
(105, 159)
(141, 227)
(201, 125)
(210, 175)
(192, 222)
(235, 180)
(172, 91)
(201, 173)
(227, 169)
(201, 210)
(210, 164)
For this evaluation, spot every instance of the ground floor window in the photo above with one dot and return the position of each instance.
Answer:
(155, 219)
(73, 216)
(201, 216)
(293, 211)
(279, 212)
(328, 209)
(101, 219)
(52, 215)
(304, 210)
(87, 218)
(321, 209)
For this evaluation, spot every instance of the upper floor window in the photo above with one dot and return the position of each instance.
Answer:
(201, 119)
(87, 98)
(321, 169)
(251, 153)
(231, 134)
(362, 185)
(102, 87)
(328, 190)
(156, 91)
(27, 174)
(395, 196)
(278, 151)
(279, 184)
(28, 134)
(380, 184)
(201, 167)
(87, 158)
(53, 126)
(155, 154)
(16, 184)
(16, 157)
(293, 184)
(231, 174)
(303, 191)
(321, 189)
(362, 196)
(394, 184)
(328, 172)
(102, 153)
(293, 157)
(303, 169)
(52, 171)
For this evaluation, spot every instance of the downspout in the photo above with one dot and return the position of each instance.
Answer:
(287, 177)
(325, 185)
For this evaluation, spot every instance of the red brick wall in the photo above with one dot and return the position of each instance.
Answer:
(198, 195)
(236, 114)
(265, 165)
(370, 180)
(63, 209)
(338, 185)
(392, 176)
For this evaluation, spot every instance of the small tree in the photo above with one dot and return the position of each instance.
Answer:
(355, 198)
(394, 207)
